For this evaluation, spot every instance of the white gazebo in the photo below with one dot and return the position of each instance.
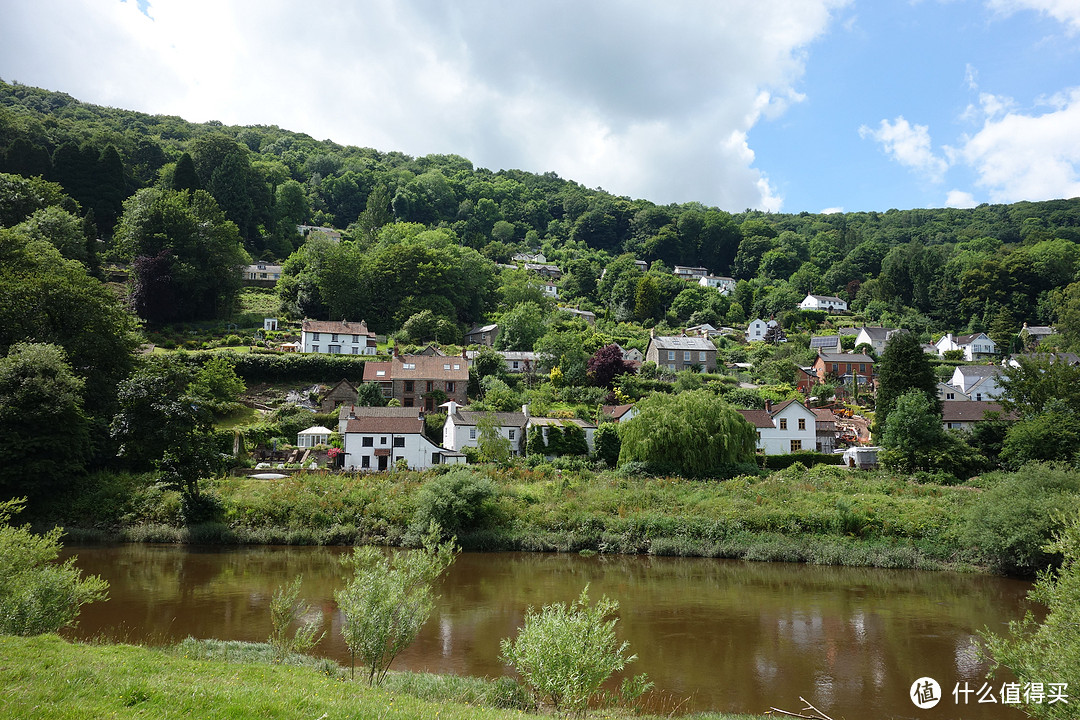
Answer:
(316, 435)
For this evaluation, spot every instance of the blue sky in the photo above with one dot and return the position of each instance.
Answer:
(785, 105)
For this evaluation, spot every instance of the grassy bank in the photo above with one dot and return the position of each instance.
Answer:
(48, 677)
(825, 515)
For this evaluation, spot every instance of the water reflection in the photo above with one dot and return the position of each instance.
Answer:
(727, 635)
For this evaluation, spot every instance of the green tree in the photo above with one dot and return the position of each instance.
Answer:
(1053, 434)
(1047, 651)
(912, 433)
(198, 254)
(60, 228)
(565, 652)
(647, 299)
(494, 447)
(40, 394)
(694, 434)
(520, 327)
(903, 367)
(1034, 383)
(38, 594)
(389, 598)
(607, 443)
(217, 386)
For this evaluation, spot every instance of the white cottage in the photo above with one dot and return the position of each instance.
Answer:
(785, 428)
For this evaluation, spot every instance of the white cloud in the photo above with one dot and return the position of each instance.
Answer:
(832, 211)
(960, 199)
(1028, 157)
(909, 145)
(1066, 12)
(645, 99)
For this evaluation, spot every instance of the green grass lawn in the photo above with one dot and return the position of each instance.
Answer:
(49, 677)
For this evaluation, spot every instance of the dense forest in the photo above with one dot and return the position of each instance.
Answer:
(989, 268)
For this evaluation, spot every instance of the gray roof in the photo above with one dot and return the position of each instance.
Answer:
(380, 412)
(825, 341)
(679, 342)
(878, 333)
(846, 357)
(505, 419)
(980, 371)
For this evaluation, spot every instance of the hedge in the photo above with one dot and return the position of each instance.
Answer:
(258, 367)
(806, 457)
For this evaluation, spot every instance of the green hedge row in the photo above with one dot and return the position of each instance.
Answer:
(258, 367)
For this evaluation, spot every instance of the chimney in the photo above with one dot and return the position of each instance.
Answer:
(525, 410)
(352, 413)
(652, 333)
(768, 406)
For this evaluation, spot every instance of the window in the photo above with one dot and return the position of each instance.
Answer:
(516, 364)
(446, 366)
(380, 373)
(315, 336)
(333, 337)
(356, 338)
(450, 385)
(701, 356)
(408, 386)
(796, 445)
(382, 440)
(835, 368)
(408, 402)
(435, 458)
(335, 349)
(365, 461)
(430, 385)
(408, 366)
(670, 354)
(671, 366)
(457, 366)
(783, 423)
(802, 423)
(950, 396)
(367, 441)
(472, 433)
(314, 348)
(759, 435)
(399, 442)
(354, 351)
(862, 367)
(686, 356)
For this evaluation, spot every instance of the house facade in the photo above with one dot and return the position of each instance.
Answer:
(377, 444)
(337, 337)
(876, 337)
(543, 425)
(316, 435)
(482, 335)
(343, 393)
(977, 382)
(823, 302)
(724, 284)
(263, 271)
(461, 429)
(675, 353)
(785, 428)
(958, 415)
(844, 367)
(825, 430)
(421, 380)
(686, 272)
(976, 346)
(757, 328)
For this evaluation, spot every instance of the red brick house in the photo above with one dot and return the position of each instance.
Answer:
(421, 380)
(844, 366)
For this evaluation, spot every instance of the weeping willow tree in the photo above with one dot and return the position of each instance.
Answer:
(693, 434)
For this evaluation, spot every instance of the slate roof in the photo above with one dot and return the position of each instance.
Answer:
(504, 419)
(845, 357)
(679, 342)
(362, 411)
(966, 410)
(980, 371)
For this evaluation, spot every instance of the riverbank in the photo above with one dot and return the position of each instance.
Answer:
(825, 515)
(49, 677)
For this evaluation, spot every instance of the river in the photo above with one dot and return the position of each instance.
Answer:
(719, 635)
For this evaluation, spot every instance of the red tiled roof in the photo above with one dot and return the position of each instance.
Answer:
(337, 326)
(425, 368)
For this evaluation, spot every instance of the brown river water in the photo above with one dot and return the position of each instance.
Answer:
(720, 635)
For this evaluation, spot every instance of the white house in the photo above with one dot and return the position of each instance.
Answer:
(690, 273)
(541, 425)
(619, 413)
(757, 328)
(262, 271)
(978, 382)
(724, 284)
(975, 346)
(461, 431)
(315, 435)
(785, 428)
(352, 412)
(377, 443)
(823, 302)
(964, 415)
(875, 337)
(337, 338)
(950, 393)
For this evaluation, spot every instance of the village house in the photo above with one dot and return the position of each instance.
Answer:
(757, 328)
(844, 366)
(325, 232)
(876, 337)
(1033, 335)
(544, 270)
(482, 335)
(975, 346)
(977, 382)
(676, 353)
(825, 429)
(724, 284)
(587, 315)
(376, 443)
(805, 379)
(421, 380)
(784, 428)
(263, 273)
(826, 343)
(342, 393)
(542, 425)
(619, 413)
(351, 412)
(961, 415)
(337, 338)
(823, 302)
(461, 428)
(685, 272)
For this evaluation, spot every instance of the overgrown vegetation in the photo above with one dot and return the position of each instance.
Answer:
(285, 611)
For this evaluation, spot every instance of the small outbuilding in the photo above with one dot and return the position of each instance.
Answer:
(315, 435)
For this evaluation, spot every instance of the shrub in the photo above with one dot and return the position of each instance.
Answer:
(389, 599)
(566, 652)
(285, 609)
(458, 501)
(1011, 522)
(38, 594)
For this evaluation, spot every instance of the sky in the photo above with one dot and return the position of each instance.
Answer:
(779, 105)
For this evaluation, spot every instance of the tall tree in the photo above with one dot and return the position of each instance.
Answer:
(903, 367)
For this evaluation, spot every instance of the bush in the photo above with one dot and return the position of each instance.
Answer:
(807, 458)
(285, 609)
(566, 652)
(459, 501)
(1011, 522)
(38, 594)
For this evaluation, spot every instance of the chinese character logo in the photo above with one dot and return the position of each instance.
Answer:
(925, 693)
